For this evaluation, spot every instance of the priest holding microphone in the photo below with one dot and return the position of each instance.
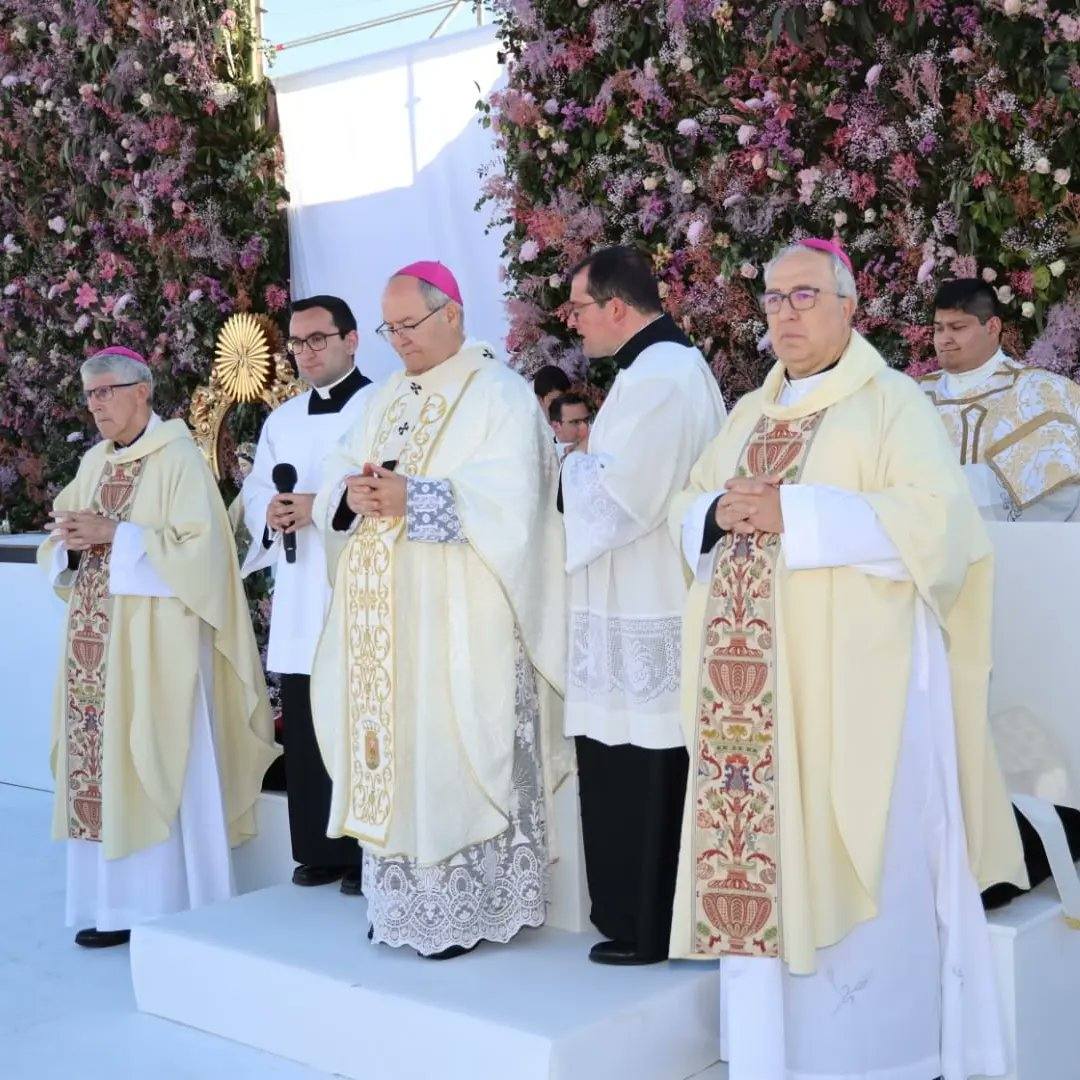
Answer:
(278, 496)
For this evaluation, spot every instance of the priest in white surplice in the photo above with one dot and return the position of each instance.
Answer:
(627, 591)
(162, 730)
(1016, 429)
(436, 683)
(845, 796)
(296, 438)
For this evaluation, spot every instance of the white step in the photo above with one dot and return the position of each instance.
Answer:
(1037, 956)
(290, 971)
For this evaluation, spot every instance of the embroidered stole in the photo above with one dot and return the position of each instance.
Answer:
(89, 617)
(370, 622)
(736, 842)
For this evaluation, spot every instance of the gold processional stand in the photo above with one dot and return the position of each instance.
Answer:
(250, 367)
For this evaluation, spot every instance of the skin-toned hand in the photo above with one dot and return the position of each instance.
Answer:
(289, 512)
(376, 492)
(80, 530)
(751, 504)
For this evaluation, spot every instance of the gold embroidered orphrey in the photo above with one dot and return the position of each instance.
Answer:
(89, 618)
(369, 557)
(736, 840)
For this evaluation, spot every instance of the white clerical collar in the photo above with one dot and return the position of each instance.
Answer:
(955, 384)
(795, 390)
(324, 391)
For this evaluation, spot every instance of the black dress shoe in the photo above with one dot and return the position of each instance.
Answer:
(448, 953)
(352, 882)
(101, 939)
(371, 933)
(316, 875)
(621, 953)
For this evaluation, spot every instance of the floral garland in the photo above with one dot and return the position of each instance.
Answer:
(933, 138)
(140, 202)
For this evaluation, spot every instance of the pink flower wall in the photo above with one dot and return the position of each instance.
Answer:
(933, 138)
(140, 203)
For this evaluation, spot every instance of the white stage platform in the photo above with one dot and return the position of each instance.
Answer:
(290, 971)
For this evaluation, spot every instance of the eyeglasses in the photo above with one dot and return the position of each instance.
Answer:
(801, 299)
(315, 342)
(387, 332)
(104, 393)
(577, 309)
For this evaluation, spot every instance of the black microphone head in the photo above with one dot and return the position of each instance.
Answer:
(284, 476)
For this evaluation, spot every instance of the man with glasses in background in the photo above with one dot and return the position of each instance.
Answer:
(437, 680)
(570, 415)
(162, 731)
(293, 443)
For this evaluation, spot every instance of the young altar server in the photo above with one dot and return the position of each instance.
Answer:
(293, 444)
(627, 591)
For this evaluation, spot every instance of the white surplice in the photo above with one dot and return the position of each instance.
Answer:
(627, 585)
(193, 866)
(910, 994)
(301, 588)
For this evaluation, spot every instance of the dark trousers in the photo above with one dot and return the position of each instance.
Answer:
(631, 819)
(307, 782)
(1038, 866)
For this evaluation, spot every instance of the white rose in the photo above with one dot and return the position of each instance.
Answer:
(1057, 267)
(686, 64)
(758, 161)
(1042, 166)
(554, 281)
(828, 11)
(145, 100)
(748, 271)
(650, 183)
(839, 218)
(103, 156)
(1004, 294)
(1027, 309)
(1013, 8)
(1062, 176)
(870, 216)
(989, 275)
(170, 79)
(688, 187)
(57, 224)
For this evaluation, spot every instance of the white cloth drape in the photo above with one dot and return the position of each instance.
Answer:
(382, 163)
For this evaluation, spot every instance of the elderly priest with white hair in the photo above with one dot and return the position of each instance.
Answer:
(436, 684)
(845, 799)
(162, 731)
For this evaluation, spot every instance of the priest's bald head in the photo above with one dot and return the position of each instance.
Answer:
(809, 302)
(118, 387)
(423, 316)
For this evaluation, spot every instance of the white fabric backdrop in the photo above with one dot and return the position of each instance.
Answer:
(381, 163)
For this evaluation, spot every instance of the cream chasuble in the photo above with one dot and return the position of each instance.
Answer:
(1017, 432)
(131, 665)
(413, 688)
(793, 748)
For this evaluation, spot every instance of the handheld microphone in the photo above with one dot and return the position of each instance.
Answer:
(284, 477)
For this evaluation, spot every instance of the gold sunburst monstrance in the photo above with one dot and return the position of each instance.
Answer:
(249, 366)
